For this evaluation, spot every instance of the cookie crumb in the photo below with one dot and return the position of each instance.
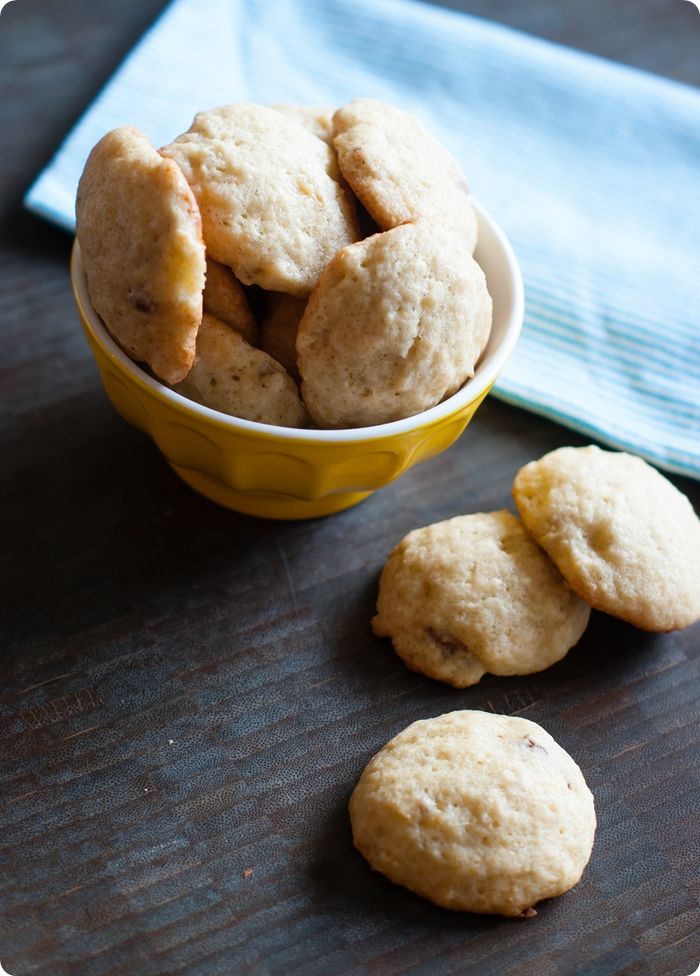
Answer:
(528, 913)
(248, 873)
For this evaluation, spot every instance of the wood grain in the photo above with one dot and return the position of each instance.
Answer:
(188, 695)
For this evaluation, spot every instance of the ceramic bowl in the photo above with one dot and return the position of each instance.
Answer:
(283, 473)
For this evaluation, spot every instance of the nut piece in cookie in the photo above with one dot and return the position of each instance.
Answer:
(623, 537)
(396, 323)
(232, 376)
(398, 171)
(141, 245)
(278, 332)
(272, 206)
(319, 121)
(225, 299)
(475, 594)
(476, 812)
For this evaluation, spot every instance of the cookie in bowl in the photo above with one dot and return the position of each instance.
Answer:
(398, 170)
(319, 121)
(225, 299)
(142, 251)
(233, 377)
(279, 329)
(396, 324)
(272, 205)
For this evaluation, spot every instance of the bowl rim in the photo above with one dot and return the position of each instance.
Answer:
(471, 390)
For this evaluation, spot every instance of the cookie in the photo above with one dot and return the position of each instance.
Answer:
(232, 376)
(319, 121)
(272, 207)
(475, 594)
(396, 323)
(141, 245)
(476, 812)
(624, 538)
(398, 171)
(225, 299)
(278, 332)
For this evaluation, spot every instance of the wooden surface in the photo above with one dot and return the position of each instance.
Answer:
(188, 695)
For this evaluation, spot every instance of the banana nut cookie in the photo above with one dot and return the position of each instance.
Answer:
(475, 594)
(225, 299)
(141, 245)
(476, 812)
(232, 376)
(624, 538)
(396, 323)
(319, 121)
(269, 193)
(279, 328)
(398, 170)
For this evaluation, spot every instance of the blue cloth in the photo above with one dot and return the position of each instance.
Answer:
(592, 169)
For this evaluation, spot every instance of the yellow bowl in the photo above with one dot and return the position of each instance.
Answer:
(283, 473)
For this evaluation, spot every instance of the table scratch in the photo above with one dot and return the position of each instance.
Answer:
(73, 735)
(40, 684)
(288, 572)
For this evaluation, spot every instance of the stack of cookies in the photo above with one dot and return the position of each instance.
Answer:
(487, 813)
(289, 266)
(491, 593)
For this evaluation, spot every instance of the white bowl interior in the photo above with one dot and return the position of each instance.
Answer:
(496, 257)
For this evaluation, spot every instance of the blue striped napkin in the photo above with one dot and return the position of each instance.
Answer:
(593, 170)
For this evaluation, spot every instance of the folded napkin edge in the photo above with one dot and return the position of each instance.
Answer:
(565, 419)
(34, 199)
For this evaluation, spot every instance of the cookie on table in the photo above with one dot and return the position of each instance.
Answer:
(476, 812)
(398, 170)
(272, 206)
(232, 376)
(396, 323)
(279, 327)
(319, 121)
(140, 235)
(624, 538)
(225, 299)
(475, 594)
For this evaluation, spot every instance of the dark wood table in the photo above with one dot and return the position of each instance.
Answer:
(189, 695)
